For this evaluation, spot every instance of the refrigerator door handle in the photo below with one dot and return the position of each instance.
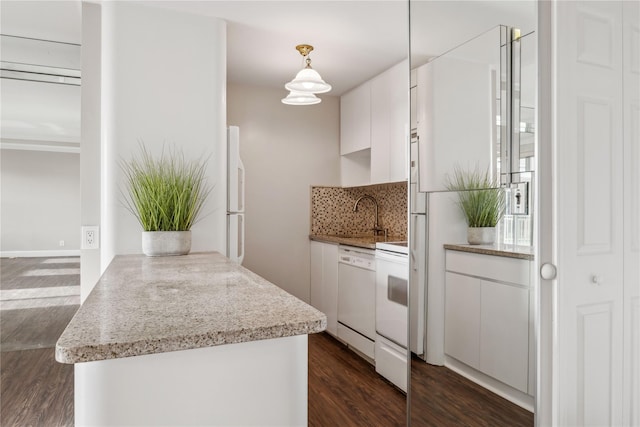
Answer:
(414, 242)
(240, 237)
(235, 241)
(240, 185)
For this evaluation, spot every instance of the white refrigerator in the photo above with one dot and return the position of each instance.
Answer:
(235, 197)
(418, 256)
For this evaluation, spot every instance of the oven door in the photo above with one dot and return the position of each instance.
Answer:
(392, 273)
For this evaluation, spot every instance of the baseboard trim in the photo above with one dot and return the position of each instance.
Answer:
(501, 389)
(39, 254)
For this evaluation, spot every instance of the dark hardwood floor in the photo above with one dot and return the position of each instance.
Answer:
(441, 397)
(345, 390)
(35, 389)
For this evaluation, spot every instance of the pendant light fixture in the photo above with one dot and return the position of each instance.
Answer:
(301, 98)
(306, 83)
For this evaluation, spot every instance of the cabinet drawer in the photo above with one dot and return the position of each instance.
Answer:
(502, 269)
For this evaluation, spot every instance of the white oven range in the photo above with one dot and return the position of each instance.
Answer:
(392, 277)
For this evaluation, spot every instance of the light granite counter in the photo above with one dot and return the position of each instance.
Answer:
(367, 242)
(145, 305)
(508, 251)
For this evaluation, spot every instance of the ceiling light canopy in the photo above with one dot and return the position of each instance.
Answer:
(306, 83)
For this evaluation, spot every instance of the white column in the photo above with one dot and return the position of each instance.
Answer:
(162, 81)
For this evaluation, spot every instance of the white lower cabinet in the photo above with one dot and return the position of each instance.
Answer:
(462, 319)
(487, 319)
(324, 282)
(504, 333)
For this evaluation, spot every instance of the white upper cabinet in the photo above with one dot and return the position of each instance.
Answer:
(390, 125)
(374, 129)
(355, 119)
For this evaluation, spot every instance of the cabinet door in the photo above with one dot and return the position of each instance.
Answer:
(380, 127)
(399, 135)
(315, 293)
(324, 282)
(504, 333)
(462, 318)
(330, 286)
(390, 125)
(355, 119)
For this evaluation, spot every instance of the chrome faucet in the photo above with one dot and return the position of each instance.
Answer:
(376, 226)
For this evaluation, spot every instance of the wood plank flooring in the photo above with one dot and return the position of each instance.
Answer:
(33, 327)
(35, 389)
(441, 397)
(345, 390)
(38, 298)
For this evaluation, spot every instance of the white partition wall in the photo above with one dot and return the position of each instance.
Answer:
(162, 80)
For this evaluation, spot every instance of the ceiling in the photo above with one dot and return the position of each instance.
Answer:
(353, 40)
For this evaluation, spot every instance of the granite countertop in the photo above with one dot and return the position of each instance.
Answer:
(145, 305)
(367, 242)
(509, 251)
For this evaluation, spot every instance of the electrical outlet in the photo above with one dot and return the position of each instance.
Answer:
(90, 237)
(520, 198)
(61, 243)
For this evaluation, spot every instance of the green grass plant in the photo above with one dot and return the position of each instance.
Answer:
(480, 198)
(166, 193)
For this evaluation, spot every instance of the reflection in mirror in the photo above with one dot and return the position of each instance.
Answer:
(516, 227)
(470, 322)
(457, 118)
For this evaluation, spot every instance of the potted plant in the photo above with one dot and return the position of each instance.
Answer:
(166, 195)
(481, 200)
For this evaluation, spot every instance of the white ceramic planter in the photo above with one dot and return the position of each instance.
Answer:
(166, 243)
(481, 235)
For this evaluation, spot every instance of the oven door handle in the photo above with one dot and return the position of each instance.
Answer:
(397, 290)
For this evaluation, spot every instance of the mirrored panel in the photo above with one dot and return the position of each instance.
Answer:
(471, 322)
(516, 227)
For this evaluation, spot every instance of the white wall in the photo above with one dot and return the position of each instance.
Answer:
(285, 150)
(162, 79)
(90, 149)
(40, 204)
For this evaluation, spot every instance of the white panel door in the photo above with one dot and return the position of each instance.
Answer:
(588, 183)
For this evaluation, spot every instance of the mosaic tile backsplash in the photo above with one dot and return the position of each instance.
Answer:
(332, 210)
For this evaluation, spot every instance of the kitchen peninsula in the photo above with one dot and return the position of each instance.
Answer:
(188, 340)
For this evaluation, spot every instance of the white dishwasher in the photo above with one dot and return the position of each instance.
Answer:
(357, 298)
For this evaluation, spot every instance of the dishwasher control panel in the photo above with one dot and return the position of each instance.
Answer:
(357, 259)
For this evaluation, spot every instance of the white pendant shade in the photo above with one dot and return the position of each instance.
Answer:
(308, 80)
(301, 98)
